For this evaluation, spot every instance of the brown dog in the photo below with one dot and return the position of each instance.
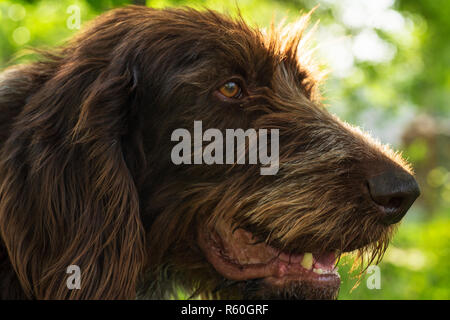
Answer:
(87, 178)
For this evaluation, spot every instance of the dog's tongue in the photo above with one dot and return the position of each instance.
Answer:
(324, 261)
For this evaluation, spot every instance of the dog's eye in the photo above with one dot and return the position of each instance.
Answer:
(231, 90)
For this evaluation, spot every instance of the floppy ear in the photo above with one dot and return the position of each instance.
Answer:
(67, 194)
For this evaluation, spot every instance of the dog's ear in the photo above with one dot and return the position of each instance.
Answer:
(67, 193)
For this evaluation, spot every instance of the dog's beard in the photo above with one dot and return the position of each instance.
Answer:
(261, 271)
(259, 289)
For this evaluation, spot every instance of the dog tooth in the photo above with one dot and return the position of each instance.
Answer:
(307, 261)
(318, 271)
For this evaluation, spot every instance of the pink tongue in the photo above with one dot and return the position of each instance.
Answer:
(325, 260)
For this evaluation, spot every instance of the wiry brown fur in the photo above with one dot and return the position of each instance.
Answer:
(85, 170)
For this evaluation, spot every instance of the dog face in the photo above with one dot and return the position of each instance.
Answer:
(215, 230)
(274, 236)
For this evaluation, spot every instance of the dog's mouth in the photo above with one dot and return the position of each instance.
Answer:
(236, 256)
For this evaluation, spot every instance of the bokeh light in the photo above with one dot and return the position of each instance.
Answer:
(21, 35)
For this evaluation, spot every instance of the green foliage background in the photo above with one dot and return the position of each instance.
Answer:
(389, 63)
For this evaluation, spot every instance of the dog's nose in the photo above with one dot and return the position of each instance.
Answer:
(394, 191)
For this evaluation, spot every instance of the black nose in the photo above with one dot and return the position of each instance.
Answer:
(394, 192)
